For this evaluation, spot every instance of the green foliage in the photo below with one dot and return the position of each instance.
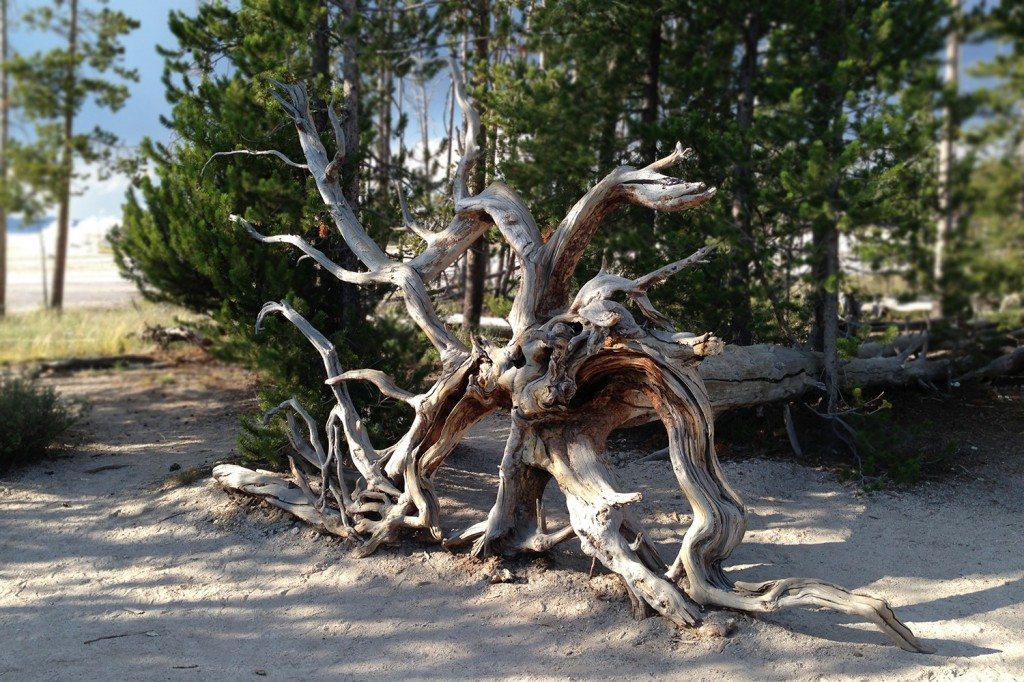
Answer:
(33, 421)
(177, 243)
(500, 306)
(841, 139)
(986, 256)
(888, 451)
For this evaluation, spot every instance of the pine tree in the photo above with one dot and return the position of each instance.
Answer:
(989, 259)
(816, 122)
(176, 241)
(52, 87)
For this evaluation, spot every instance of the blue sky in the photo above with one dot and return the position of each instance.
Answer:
(140, 117)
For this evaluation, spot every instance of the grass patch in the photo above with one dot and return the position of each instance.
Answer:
(81, 332)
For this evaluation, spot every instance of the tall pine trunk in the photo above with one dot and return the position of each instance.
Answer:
(385, 80)
(944, 228)
(351, 308)
(3, 156)
(651, 82)
(739, 279)
(649, 110)
(422, 109)
(478, 256)
(825, 234)
(67, 168)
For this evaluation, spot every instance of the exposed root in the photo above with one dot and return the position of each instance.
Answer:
(574, 370)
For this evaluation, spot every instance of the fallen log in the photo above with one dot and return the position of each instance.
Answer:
(1011, 363)
(98, 362)
(744, 376)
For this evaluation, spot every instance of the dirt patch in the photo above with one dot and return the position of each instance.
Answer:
(167, 576)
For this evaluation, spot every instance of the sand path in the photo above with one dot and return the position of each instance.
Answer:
(188, 583)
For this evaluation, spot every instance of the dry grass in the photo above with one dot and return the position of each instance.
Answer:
(44, 335)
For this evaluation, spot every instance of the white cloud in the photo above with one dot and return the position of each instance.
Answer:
(96, 197)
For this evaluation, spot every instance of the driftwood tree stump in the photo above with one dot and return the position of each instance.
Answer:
(576, 368)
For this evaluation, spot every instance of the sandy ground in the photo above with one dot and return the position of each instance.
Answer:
(91, 279)
(111, 567)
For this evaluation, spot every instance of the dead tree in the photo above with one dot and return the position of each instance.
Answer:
(577, 367)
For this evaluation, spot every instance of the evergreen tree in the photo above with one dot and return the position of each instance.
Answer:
(51, 88)
(989, 262)
(176, 241)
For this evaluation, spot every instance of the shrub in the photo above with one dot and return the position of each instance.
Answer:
(33, 421)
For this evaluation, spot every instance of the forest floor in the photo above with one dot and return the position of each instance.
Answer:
(113, 567)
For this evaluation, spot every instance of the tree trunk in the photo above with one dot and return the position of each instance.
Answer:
(423, 109)
(577, 367)
(4, 119)
(67, 168)
(826, 236)
(478, 256)
(944, 227)
(739, 280)
(651, 106)
(650, 110)
(384, 89)
(350, 304)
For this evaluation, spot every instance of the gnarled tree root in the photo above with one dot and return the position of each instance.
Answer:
(571, 373)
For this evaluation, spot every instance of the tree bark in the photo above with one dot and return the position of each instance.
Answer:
(384, 89)
(67, 167)
(651, 106)
(650, 110)
(826, 235)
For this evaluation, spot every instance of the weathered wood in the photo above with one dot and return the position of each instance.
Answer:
(575, 369)
(744, 376)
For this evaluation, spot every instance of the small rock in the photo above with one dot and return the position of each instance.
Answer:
(502, 575)
(174, 467)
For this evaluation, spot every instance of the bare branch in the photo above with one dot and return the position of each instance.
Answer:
(382, 381)
(407, 217)
(294, 101)
(360, 449)
(677, 156)
(644, 187)
(471, 150)
(699, 257)
(314, 253)
(250, 152)
(334, 167)
(312, 450)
